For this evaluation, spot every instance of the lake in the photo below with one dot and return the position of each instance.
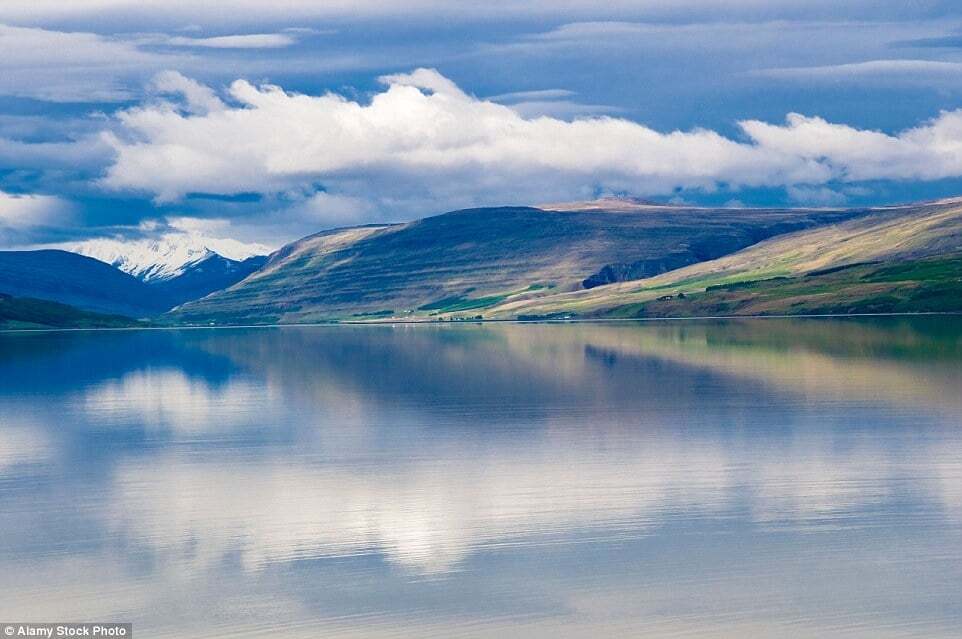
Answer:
(753, 478)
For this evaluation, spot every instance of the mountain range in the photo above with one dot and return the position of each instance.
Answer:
(605, 258)
(109, 283)
(167, 257)
(472, 259)
(887, 260)
(179, 266)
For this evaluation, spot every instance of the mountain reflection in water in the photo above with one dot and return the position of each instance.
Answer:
(756, 477)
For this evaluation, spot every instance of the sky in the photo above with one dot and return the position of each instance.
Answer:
(267, 121)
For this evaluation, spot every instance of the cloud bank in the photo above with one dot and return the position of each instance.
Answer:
(424, 139)
(247, 11)
(635, 98)
(61, 66)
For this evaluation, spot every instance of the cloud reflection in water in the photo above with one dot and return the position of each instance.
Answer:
(606, 462)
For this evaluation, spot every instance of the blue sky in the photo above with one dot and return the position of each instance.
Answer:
(265, 121)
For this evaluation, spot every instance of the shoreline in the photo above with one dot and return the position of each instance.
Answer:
(600, 320)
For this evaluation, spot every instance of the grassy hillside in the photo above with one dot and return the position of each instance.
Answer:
(898, 259)
(469, 261)
(911, 287)
(27, 313)
(75, 280)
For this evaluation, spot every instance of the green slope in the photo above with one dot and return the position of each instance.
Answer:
(470, 261)
(28, 313)
(916, 286)
(898, 259)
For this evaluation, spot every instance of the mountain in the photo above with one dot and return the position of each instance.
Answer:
(213, 273)
(894, 259)
(179, 266)
(28, 313)
(167, 257)
(608, 258)
(467, 261)
(79, 281)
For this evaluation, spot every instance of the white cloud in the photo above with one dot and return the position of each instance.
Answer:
(199, 98)
(816, 196)
(78, 66)
(334, 210)
(931, 151)
(421, 136)
(64, 66)
(540, 94)
(561, 109)
(424, 139)
(736, 42)
(245, 41)
(26, 211)
(923, 72)
(599, 29)
(235, 11)
(551, 102)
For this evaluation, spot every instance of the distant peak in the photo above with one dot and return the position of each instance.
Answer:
(164, 257)
(607, 203)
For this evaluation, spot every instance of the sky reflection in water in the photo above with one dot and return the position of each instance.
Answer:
(776, 477)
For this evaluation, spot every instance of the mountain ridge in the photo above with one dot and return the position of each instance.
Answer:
(206, 276)
(76, 280)
(631, 259)
(166, 257)
(180, 267)
(461, 257)
(846, 267)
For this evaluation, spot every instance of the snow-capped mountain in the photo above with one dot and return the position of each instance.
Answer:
(167, 257)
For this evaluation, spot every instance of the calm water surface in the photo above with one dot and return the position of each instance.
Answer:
(760, 478)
